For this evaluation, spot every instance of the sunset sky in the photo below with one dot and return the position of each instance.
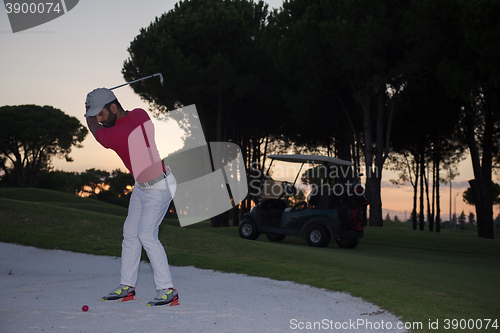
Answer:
(59, 62)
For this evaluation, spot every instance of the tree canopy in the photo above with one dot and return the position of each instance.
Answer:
(31, 136)
(353, 53)
(495, 190)
(358, 79)
(211, 54)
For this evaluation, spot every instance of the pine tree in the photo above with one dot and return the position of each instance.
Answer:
(461, 220)
(472, 219)
(453, 222)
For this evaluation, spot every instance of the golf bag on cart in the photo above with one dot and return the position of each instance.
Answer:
(352, 208)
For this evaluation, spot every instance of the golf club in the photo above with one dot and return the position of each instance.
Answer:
(144, 78)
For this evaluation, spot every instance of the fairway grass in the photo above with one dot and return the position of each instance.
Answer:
(419, 276)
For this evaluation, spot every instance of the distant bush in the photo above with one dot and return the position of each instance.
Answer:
(112, 197)
(69, 182)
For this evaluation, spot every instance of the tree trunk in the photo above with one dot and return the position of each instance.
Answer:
(482, 209)
(415, 193)
(236, 215)
(422, 171)
(481, 185)
(374, 158)
(373, 191)
(221, 220)
(438, 204)
(430, 217)
(242, 210)
(19, 168)
(219, 118)
(34, 170)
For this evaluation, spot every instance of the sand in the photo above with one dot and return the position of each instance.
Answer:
(44, 291)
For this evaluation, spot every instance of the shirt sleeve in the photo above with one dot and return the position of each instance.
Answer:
(143, 115)
(102, 136)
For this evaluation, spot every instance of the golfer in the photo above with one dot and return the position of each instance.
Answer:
(131, 135)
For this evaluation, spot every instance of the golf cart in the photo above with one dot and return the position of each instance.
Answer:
(335, 207)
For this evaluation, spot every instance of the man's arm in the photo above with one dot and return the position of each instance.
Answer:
(93, 124)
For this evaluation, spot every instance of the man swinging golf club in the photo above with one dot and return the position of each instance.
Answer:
(131, 135)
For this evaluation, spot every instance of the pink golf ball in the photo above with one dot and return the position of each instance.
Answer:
(85, 308)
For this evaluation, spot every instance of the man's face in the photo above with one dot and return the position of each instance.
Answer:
(106, 118)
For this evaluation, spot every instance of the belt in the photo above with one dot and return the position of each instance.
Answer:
(157, 179)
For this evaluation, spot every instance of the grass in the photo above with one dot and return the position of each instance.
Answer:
(61, 199)
(419, 276)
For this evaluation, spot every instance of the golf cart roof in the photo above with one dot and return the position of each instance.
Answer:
(299, 158)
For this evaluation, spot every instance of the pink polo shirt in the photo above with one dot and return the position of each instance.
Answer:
(132, 138)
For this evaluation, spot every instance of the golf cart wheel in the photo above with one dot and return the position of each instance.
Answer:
(318, 236)
(348, 243)
(248, 230)
(275, 237)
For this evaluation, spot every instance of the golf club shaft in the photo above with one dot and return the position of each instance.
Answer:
(144, 78)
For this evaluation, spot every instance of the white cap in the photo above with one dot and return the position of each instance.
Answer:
(96, 100)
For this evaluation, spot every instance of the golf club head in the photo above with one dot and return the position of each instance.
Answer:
(161, 79)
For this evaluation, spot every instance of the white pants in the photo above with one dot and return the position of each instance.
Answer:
(146, 211)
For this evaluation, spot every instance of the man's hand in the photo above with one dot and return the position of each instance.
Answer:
(93, 124)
